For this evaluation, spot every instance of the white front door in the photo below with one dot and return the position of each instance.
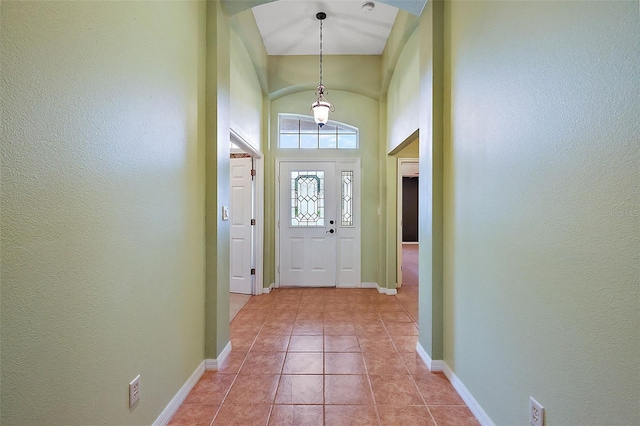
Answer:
(241, 232)
(319, 239)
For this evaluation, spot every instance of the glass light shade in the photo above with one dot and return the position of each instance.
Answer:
(321, 112)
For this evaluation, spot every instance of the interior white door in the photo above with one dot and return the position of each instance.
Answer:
(307, 221)
(241, 232)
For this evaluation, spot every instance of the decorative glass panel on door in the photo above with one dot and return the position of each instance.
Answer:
(307, 198)
(347, 198)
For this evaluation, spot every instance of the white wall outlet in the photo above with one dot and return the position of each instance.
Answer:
(536, 413)
(134, 391)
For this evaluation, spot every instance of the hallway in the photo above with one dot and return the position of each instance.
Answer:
(408, 292)
(323, 357)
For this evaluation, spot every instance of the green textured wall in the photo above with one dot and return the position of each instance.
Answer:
(246, 94)
(403, 95)
(291, 74)
(541, 217)
(102, 208)
(412, 150)
(402, 122)
(430, 204)
(403, 28)
(217, 188)
(244, 24)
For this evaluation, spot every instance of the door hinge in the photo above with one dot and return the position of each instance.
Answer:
(253, 221)
(253, 271)
(253, 173)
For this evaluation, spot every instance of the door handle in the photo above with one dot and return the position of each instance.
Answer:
(330, 231)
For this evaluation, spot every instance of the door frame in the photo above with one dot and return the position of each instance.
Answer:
(257, 286)
(401, 162)
(357, 165)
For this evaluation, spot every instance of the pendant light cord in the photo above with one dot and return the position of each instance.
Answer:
(320, 52)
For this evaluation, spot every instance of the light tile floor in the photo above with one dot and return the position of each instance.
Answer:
(323, 357)
(236, 302)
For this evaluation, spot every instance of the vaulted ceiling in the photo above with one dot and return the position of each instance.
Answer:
(290, 27)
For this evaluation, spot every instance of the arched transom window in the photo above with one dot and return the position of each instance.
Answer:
(301, 132)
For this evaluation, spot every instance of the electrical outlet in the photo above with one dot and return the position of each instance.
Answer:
(134, 391)
(536, 413)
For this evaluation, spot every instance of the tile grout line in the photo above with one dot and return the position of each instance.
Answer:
(224, 398)
(275, 396)
(273, 309)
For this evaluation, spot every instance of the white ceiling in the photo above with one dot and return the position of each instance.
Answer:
(290, 27)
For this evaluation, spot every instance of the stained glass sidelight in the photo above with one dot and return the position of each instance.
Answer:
(347, 198)
(307, 198)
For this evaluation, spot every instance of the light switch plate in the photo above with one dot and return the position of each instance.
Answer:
(225, 212)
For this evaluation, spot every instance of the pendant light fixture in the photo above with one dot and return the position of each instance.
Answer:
(321, 106)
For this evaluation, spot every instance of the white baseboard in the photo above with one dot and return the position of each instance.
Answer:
(212, 364)
(165, 417)
(387, 291)
(348, 285)
(433, 365)
(439, 365)
(466, 396)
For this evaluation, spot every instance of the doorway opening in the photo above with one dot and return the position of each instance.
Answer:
(407, 235)
(246, 223)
